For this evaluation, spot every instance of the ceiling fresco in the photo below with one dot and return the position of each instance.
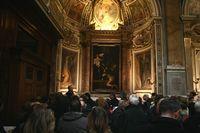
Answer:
(106, 15)
(130, 10)
(76, 10)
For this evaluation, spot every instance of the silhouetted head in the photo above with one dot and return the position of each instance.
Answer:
(112, 95)
(70, 91)
(170, 107)
(75, 104)
(88, 95)
(145, 97)
(123, 95)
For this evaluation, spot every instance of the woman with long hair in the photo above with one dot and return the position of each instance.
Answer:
(41, 120)
(98, 121)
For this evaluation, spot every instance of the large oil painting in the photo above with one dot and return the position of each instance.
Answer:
(106, 68)
(69, 70)
(143, 71)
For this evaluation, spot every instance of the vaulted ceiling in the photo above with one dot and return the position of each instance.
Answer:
(132, 11)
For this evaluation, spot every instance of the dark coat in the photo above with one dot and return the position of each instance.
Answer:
(116, 121)
(165, 125)
(134, 120)
(193, 124)
(1, 128)
(72, 122)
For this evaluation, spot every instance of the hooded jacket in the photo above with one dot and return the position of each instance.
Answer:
(72, 122)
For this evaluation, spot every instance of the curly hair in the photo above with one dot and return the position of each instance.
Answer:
(41, 120)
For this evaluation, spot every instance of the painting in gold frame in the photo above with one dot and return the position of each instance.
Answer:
(106, 68)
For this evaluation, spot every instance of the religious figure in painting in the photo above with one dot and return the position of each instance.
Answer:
(66, 79)
(111, 78)
(99, 66)
(143, 71)
(104, 71)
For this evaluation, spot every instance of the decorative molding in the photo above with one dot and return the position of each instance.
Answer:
(196, 30)
(188, 17)
(54, 11)
(143, 39)
(159, 56)
(176, 67)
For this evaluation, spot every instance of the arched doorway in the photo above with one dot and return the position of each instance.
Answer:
(139, 36)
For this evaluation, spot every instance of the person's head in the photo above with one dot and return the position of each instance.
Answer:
(75, 104)
(153, 95)
(145, 97)
(123, 104)
(169, 107)
(184, 113)
(197, 106)
(192, 94)
(133, 99)
(157, 98)
(70, 88)
(101, 102)
(41, 120)
(98, 120)
(123, 95)
(112, 95)
(87, 96)
(70, 91)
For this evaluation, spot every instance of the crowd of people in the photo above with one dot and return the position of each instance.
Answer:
(71, 113)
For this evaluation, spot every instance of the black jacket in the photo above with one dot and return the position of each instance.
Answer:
(1, 128)
(165, 125)
(72, 122)
(193, 124)
(134, 120)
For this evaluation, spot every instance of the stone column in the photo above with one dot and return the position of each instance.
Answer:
(85, 42)
(188, 60)
(159, 84)
(58, 65)
(126, 61)
(175, 47)
(85, 61)
(187, 20)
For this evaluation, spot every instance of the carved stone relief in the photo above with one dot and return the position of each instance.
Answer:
(196, 30)
(192, 42)
(142, 39)
(194, 7)
(71, 38)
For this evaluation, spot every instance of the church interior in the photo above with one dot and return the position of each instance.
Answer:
(97, 46)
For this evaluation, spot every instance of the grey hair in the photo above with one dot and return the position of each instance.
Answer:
(133, 99)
